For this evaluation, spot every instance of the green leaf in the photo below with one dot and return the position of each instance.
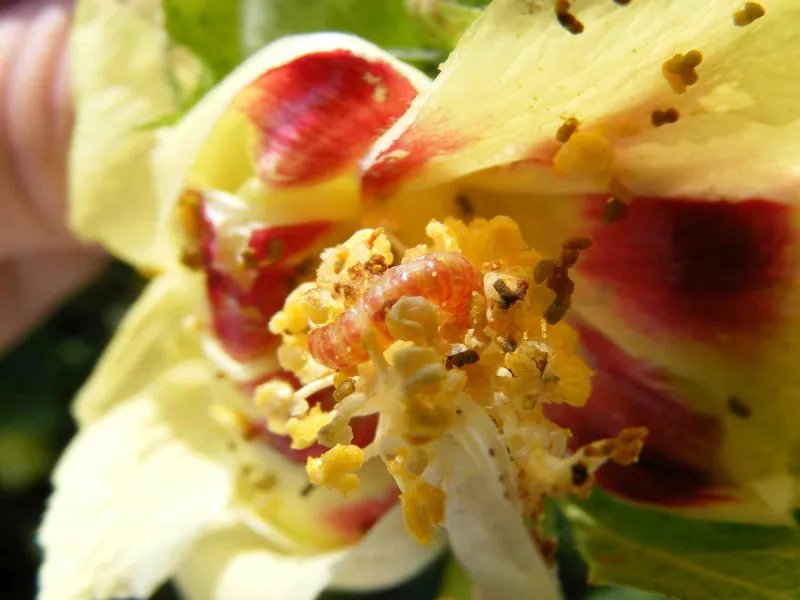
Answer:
(619, 593)
(209, 28)
(387, 23)
(456, 584)
(222, 34)
(685, 558)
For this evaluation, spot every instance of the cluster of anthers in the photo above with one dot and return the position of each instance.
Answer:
(447, 343)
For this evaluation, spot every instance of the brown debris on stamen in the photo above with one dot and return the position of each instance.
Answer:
(192, 259)
(543, 270)
(568, 21)
(506, 344)
(374, 237)
(580, 474)
(748, 13)
(509, 297)
(343, 390)
(459, 359)
(614, 210)
(624, 449)
(557, 310)
(566, 130)
(739, 408)
(556, 276)
(246, 259)
(622, 2)
(465, 209)
(578, 243)
(663, 117)
(275, 250)
(189, 214)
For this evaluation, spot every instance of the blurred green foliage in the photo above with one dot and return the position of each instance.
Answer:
(38, 379)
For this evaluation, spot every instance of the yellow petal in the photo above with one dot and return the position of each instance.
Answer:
(155, 335)
(517, 75)
(118, 67)
(134, 490)
(236, 564)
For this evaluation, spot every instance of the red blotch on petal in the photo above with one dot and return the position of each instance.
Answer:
(694, 267)
(240, 317)
(319, 113)
(279, 244)
(355, 518)
(242, 303)
(679, 455)
(405, 156)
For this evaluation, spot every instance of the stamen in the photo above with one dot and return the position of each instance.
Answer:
(314, 387)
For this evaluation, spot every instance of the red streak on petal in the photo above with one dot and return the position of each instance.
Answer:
(320, 113)
(678, 459)
(354, 519)
(404, 157)
(694, 267)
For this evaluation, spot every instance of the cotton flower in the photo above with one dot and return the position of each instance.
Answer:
(616, 177)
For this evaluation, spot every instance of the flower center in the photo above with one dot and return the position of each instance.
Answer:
(458, 345)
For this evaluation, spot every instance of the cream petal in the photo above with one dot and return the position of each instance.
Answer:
(486, 530)
(134, 490)
(153, 337)
(517, 74)
(197, 151)
(237, 564)
(386, 557)
(118, 66)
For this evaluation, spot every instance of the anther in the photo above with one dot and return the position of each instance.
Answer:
(748, 13)
(568, 21)
(578, 243)
(566, 130)
(343, 390)
(663, 117)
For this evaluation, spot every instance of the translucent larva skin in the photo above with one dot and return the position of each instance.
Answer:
(444, 278)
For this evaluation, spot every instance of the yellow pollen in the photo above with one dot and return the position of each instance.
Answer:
(335, 469)
(304, 430)
(423, 509)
